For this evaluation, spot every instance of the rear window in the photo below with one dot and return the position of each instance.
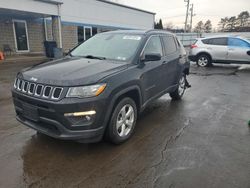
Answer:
(222, 41)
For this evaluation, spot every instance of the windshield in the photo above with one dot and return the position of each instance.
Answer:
(109, 46)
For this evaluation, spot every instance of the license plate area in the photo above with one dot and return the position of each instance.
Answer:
(30, 112)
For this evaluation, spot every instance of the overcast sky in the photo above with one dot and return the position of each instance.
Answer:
(174, 10)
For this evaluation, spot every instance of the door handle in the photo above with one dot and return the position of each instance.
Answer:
(164, 62)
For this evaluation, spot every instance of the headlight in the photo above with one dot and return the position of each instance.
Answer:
(86, 91)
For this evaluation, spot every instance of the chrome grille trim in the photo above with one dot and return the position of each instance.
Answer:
(20, 84)
(53, 93)
(36, 94)
(23, 89)
(15, 83)
(44, 90)
(29, 88)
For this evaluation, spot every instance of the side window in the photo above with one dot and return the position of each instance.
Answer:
(153, 46)
(170, 45)
(206, 41)
(219, 41)
(237, 42)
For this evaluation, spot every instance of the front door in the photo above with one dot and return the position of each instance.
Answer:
(152, 70)
(238, 50)
(21, 35)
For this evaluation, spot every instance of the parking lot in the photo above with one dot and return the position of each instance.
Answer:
(200, 141)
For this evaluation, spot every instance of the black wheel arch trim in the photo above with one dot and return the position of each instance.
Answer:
(115, 98)
(205, 53)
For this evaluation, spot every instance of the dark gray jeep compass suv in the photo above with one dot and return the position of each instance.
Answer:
(101, 86)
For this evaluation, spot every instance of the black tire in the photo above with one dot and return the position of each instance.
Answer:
(180, 90)
(112, 132)
(203, 60)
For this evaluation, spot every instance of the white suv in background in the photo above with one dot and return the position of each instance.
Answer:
(205, 51)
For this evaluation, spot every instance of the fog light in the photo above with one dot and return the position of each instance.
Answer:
(81, 118)
(87, 113)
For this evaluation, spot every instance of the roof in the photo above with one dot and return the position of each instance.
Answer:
(221, 36)
(141, 32)
(56, 2)
(125, 6)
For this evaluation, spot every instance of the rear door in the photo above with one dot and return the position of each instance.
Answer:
(170, 61)
(238, 50)
(152, 70)
(218, 48)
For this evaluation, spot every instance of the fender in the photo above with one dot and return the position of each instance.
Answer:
(116, 96)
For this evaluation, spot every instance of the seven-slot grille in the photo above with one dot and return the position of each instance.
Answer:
(38, 90)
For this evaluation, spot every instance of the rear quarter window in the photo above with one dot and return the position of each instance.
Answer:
(206, 41)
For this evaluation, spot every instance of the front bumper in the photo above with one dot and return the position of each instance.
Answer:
(48, 117)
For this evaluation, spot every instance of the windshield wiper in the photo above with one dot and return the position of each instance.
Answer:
(94, 57)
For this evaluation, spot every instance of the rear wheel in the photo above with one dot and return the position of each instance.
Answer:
(122, 121)
(180, 90)
(203, 60)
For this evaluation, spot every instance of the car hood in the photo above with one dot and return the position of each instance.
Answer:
(72, 71)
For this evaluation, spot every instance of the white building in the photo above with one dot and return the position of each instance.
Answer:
(26, 24)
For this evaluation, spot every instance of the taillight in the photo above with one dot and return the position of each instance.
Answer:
(193, 46)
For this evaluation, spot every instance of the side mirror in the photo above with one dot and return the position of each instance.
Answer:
(248, 52)
(151, 57)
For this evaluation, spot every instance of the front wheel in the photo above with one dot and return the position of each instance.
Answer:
(122, 121)
(180, 90)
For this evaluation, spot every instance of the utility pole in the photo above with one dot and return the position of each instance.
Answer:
(192, 14)
(187, 1)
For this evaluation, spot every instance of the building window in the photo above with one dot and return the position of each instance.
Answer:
(87, 33)
(80, 34)
(94, 31)
(84, 33)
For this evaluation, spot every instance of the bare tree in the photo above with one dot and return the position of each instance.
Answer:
(239, 23)
(208, 27)
(199, 28)
(232, 23)
(223, 23)
(243, 18)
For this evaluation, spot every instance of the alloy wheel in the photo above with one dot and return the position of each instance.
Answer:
(182, 86)
(125, 120)
(203, 61)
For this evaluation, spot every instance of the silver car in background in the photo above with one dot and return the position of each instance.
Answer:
(225, 49)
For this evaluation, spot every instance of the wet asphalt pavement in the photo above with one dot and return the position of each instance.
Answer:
(201, 141)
